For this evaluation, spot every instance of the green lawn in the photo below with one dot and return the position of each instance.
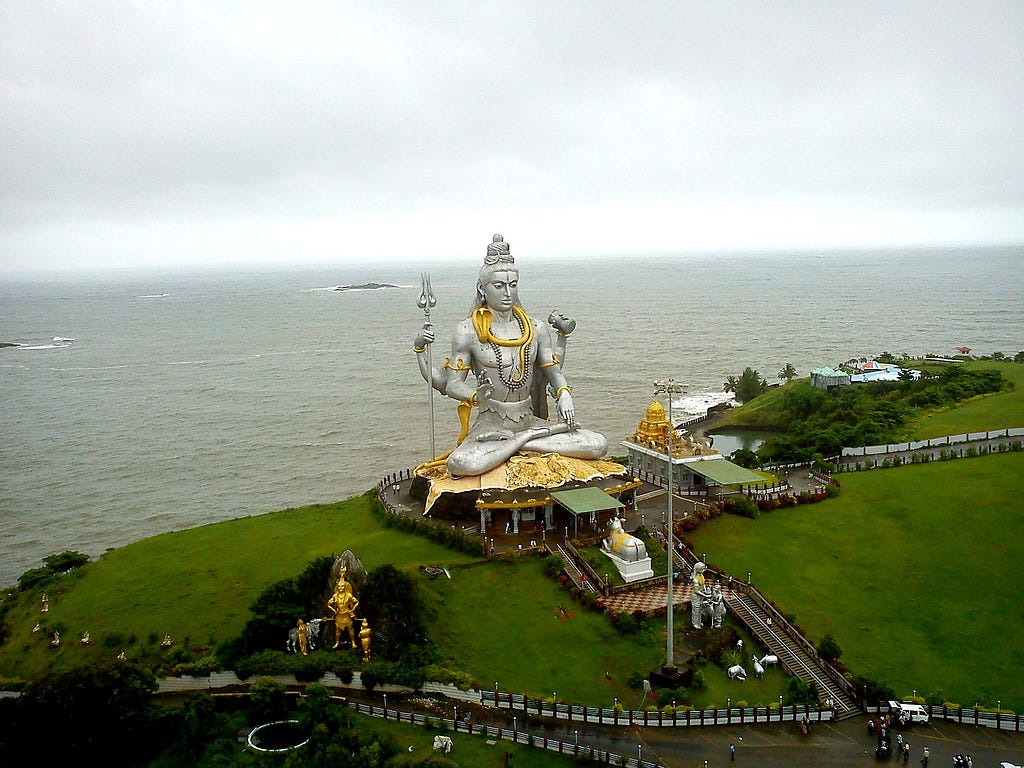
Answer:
(996, 411)
(502, 622)
(917, 571)
(198, 583)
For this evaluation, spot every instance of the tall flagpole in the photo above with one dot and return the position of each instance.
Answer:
(669, 387)
(426, 302)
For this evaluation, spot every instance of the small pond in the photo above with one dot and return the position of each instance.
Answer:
(279, 736)
(726, 441)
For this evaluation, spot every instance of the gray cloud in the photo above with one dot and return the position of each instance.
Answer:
(196, 130)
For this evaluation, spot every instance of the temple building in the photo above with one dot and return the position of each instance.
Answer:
(696, 466)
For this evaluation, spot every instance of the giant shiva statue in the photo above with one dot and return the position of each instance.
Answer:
(511, 357)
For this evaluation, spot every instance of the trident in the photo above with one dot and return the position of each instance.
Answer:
(426, 302)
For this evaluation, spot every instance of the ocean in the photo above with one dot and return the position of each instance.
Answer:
(189, 398)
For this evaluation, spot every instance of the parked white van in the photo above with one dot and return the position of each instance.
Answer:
(908, 712)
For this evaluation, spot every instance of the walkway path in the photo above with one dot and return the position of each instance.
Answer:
(797, 658)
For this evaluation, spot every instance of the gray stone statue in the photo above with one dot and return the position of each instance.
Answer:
(716, 607)
(511, 357)
(701, 597)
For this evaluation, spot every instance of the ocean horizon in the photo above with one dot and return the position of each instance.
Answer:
(174, 399)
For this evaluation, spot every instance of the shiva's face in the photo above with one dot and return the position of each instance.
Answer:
(500, 290)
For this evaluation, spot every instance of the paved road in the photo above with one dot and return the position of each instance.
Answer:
(829, 745)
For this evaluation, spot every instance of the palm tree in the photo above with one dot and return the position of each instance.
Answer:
(788, 372)
(730, 384)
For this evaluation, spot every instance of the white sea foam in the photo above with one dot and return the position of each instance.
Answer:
(698, 404)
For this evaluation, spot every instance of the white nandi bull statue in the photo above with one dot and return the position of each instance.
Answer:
(624, 545)
(737, 672)
(769, 660)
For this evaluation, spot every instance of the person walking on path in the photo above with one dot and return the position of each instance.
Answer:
(732, 753)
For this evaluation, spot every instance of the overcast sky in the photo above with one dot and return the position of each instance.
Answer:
(153, 133)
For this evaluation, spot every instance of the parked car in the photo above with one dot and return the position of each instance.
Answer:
(905, 713)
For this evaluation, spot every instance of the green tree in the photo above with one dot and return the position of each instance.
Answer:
(788, 372)
(750, 385)
(745, 457)
(391, 602)
(268, 700)
(65, 561)
(730, 384)
(200, 726)
(87, 714)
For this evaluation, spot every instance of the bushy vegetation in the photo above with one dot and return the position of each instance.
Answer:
(390, 602)
(821, 423)
(276, 610)
(449, 536)
(84, 714)
(53, 565)
(749, 384)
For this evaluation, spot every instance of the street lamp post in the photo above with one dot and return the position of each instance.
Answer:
(385, 706)
(669, 387)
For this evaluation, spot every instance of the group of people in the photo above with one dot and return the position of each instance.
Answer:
(963, 761)
(884, 748)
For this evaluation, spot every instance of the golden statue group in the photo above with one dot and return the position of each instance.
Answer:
(341, 609)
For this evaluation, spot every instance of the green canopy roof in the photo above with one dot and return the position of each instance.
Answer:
(583, 500)
(724, 472)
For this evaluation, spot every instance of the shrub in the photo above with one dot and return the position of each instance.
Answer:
(441, 674)
(308, 669)
(201, 667)
(262, 663)
(698, 681)
(828, 648)
(625, 623)
(554, 565)
(743, 507)
(267, 699)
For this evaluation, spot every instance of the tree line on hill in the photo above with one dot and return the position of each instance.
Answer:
(817, 424)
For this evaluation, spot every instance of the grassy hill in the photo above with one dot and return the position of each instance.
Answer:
(985, 412)
(1003, 409)
(917, 571)
(196, 584)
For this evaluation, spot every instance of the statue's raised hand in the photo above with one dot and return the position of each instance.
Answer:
(424, 337)
(561, 323)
